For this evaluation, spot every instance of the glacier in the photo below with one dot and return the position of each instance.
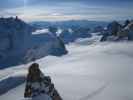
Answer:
(96, 71)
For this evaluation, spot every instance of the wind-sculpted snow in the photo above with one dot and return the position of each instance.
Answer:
(100, 71)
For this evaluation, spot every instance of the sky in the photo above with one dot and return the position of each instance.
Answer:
(57, 10)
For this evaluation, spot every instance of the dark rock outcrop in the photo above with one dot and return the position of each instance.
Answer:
(113, 28)
(116, 31)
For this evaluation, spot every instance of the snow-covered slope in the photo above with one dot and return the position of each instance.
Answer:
(100, 71)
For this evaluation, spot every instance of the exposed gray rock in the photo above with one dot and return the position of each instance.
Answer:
(116, 32)
(113, 28)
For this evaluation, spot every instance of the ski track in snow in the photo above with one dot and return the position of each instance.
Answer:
(100, 71)
(94, 93)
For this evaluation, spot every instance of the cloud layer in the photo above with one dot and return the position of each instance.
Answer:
(31, 10)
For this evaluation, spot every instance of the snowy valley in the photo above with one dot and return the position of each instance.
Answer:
(97, 64)
(100, 71)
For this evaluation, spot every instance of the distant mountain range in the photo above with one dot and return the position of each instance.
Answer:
(69, 24)
(22, 42)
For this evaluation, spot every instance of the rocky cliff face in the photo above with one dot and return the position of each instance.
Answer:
(129, 29)
(116, 31)
(15, 30)
(17, 40)
(14, 36)
(44, 44)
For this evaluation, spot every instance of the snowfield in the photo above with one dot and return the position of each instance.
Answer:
(97, 71)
